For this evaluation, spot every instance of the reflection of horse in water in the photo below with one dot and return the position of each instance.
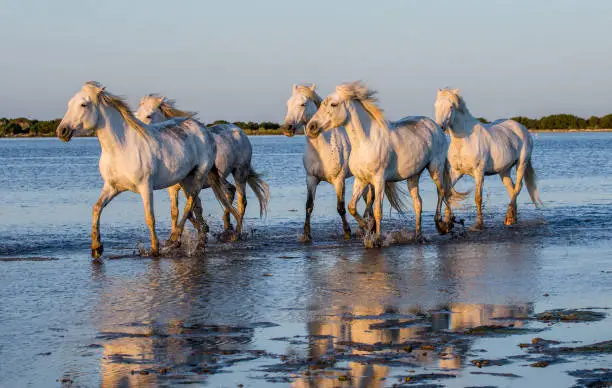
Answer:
(380, 283)
(168, 317)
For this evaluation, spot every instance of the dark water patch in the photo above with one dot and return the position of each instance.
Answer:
(494, 330)
(496, 374)
(485, 362)
(570, 315)
(592, 378)
(9, 259)
(418, 378)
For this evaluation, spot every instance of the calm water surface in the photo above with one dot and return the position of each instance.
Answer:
(271, 311)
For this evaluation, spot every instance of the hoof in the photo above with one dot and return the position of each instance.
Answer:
(306, 239)
(154, 252)
(477, 227)
(419, 239)
(370, 243)
(347, 234)
(510, 217)
(201, 246)
(97, 251)
(444, 227)
(170, 243)
(236, 237)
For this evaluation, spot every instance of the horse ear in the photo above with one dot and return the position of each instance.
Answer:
(313, 87)
(456, 91)
(294, 87)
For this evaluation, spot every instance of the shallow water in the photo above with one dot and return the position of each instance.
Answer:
(269, 310)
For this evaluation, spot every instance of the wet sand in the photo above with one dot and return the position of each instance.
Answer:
(460, 310)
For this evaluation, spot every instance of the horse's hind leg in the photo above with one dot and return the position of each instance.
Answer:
(107, 194)
(339, 186)
(199, 223)
(436, 173)
(369, 200)
(146, 192)
(242, 204)
(417, 203)
(231, 193)
(311, 186)
(506, 179)
(174, 213)
(518, 185)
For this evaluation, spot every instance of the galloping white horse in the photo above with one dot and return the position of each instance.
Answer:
(234, 153)
(385, 152)
(325, 156)
(139, 157)
(479, 149)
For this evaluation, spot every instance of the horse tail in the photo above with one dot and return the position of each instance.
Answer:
(452, 196)
(219, 188)
(261, 190)
(394, 194)
(532, 187)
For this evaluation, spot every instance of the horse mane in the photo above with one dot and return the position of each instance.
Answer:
(359, 92)
(455, 98)
(308, 92)
(101, 96)
(168, 107)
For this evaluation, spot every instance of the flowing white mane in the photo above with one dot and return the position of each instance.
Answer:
(166, 106)
(455, 98)
(308, 92)
(359, 92)
(100, 96)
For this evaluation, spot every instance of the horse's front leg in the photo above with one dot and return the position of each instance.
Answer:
(311, 188)
(146, 192)
(479, 178)
(417, 203)
(358, 188)
(108, 193)
(339, 186)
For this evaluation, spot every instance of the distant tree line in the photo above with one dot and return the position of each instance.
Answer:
(32, 128)
(563, 121)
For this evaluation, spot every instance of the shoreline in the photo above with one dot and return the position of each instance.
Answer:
(270, 133)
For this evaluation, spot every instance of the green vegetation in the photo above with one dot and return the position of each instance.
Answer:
(22, 127)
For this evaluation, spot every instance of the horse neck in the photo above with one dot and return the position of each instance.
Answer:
(463, 123)
(318, 142)
(111, 130)
(361, 127)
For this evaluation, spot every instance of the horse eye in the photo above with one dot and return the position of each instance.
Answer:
(149, 116)
(334, 104)
(84, 105)
(303, 105)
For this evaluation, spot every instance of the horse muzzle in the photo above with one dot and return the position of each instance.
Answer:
(64, 133)
(288, 130)
(313, 129)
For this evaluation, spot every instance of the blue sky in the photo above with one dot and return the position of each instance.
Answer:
(237, 60)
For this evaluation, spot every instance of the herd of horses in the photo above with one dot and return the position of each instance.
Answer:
(162, 147)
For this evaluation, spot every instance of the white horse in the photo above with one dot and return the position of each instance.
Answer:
(385, 152)
(325, 156)
(139, 157)
(479, 149)
(234, 153)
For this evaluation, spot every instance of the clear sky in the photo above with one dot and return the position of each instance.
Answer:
(237, 60)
